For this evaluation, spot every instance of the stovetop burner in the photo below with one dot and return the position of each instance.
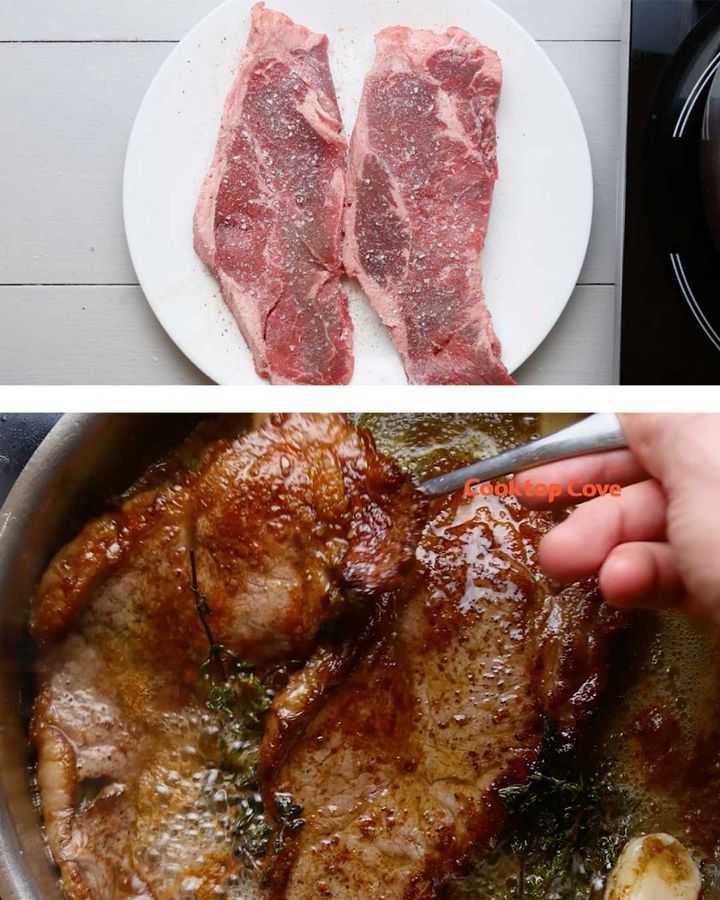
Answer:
(671, 266)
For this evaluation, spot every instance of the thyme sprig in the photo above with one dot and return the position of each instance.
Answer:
(521, 799)
(289, 815)
(217, 653)
(563, 830)
(241, 699)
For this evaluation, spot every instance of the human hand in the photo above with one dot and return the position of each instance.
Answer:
(658, 544)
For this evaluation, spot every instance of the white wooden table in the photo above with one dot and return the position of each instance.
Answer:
(72, 75)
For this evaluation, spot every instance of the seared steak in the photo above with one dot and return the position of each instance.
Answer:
(287, 520)
(397, 772)
(284, 523)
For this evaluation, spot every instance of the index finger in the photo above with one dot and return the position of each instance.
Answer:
(614, 467)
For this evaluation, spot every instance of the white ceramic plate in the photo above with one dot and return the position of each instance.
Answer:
(541, 217)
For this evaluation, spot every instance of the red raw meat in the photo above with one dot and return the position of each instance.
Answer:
(423, 167)
(269, 219)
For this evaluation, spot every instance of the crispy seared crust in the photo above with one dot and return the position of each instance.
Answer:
(80, 567)
(289, 518)
(105, 544)
(343, 499)
(573, 636)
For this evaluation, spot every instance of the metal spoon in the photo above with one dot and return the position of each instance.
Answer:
(595, 434)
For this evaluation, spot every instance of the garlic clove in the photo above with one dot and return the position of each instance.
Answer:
(654, 867)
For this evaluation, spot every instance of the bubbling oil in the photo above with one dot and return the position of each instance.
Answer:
(186, 808)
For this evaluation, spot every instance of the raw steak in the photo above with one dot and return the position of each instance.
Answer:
(398, 771)
(268, 222)
(423, 167)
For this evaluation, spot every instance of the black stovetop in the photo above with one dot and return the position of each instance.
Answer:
(671, 268)
(20, 436)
